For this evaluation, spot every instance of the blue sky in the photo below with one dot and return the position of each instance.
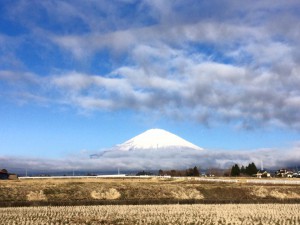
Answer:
(82, 76)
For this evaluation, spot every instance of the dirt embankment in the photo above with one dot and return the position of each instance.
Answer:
(140, 191)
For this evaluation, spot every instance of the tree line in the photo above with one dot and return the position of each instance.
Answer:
(191, 172)
(248, 170)
(235, 170)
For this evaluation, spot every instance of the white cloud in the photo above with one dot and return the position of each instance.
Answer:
(196, 61)
(138, 160)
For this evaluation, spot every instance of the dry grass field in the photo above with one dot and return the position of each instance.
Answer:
(91, 191)
(244, 214)
(127, 201)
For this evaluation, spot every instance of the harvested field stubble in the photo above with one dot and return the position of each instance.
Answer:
(155, 214)
(68, 192)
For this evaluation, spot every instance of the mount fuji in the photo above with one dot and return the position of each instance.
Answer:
(159, 149)
(156, 140)
(152, 149)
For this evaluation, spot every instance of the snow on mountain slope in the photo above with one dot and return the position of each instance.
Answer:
(156, 139)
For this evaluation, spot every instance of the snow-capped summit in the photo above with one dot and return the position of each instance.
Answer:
(156, 139)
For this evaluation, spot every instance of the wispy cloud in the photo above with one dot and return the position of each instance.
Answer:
(238, 66)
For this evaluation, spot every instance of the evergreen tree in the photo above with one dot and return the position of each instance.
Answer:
(251, 169)
(243, 170)
(235, 170)
(196, 172)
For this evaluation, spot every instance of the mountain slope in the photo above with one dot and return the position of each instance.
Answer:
(156, 139)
